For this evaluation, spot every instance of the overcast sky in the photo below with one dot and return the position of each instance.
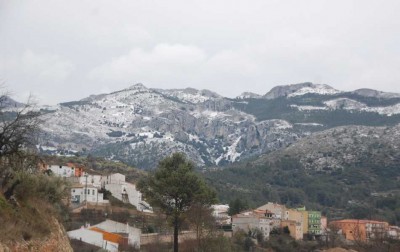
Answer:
(67, 50)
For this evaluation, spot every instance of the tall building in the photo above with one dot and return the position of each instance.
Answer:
(311, 221)
(314, 222)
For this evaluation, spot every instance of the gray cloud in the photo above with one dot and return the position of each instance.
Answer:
(66, 50)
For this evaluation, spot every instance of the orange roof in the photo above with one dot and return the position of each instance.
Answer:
(116, 238)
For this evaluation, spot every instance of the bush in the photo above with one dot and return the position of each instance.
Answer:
(50, 189)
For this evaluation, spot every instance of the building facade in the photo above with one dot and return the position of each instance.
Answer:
(361, 230)
(249, 221)
(314, 222)
(278, 210)
(90, 194)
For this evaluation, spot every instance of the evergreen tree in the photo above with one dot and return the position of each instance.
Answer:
(174, 187)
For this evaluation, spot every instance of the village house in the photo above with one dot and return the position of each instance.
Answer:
(90, 194)
(115, 178)
(299, 221)
(220, 213)
(94, 180)
(132, 233)
(115, 183)
(294, 221)
(62, 170)
(124, 191)
(361, 230)
(305, 219)
(112, 242)
(93, 238)
(78, 169)
(109, 235)
(312, 222)
(278, 210)
(262, 220)
(295, 228)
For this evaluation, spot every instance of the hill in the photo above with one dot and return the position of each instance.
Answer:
(350, 171)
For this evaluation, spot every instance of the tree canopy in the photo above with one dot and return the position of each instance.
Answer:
(175, 187)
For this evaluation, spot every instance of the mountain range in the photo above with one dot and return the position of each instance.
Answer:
(140, 125)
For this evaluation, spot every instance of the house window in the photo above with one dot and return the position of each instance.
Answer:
(93, 192)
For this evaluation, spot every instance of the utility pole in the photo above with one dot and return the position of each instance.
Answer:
(86, 190)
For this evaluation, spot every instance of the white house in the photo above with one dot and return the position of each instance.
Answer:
(80, 193)
(62, 171)
(115, 178)
(220, 213)
(94, 180)
(124, 191)
(120, 228)
(94, 238)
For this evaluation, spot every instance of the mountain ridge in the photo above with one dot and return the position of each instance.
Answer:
(140, 125)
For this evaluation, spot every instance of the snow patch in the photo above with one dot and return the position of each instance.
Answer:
(317, 89)
(231, 155)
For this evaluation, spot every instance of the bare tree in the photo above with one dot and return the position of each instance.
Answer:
(332, 236)
(18, 128)
(201, 219)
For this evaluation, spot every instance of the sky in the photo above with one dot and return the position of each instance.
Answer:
(66, 50)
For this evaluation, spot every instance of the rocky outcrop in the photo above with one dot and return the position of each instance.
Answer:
(343, 147)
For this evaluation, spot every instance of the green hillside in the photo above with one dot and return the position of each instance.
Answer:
(364, 190)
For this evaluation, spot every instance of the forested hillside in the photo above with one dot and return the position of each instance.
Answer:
(345, 172)
(366, 190)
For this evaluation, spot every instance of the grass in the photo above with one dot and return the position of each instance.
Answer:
(29, 220)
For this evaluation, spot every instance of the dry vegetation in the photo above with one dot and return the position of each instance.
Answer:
(29, 213)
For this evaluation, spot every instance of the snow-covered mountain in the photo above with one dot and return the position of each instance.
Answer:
(190, 95)
(140, 125)
(300, 89)
(374, 93)
(352, 105)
